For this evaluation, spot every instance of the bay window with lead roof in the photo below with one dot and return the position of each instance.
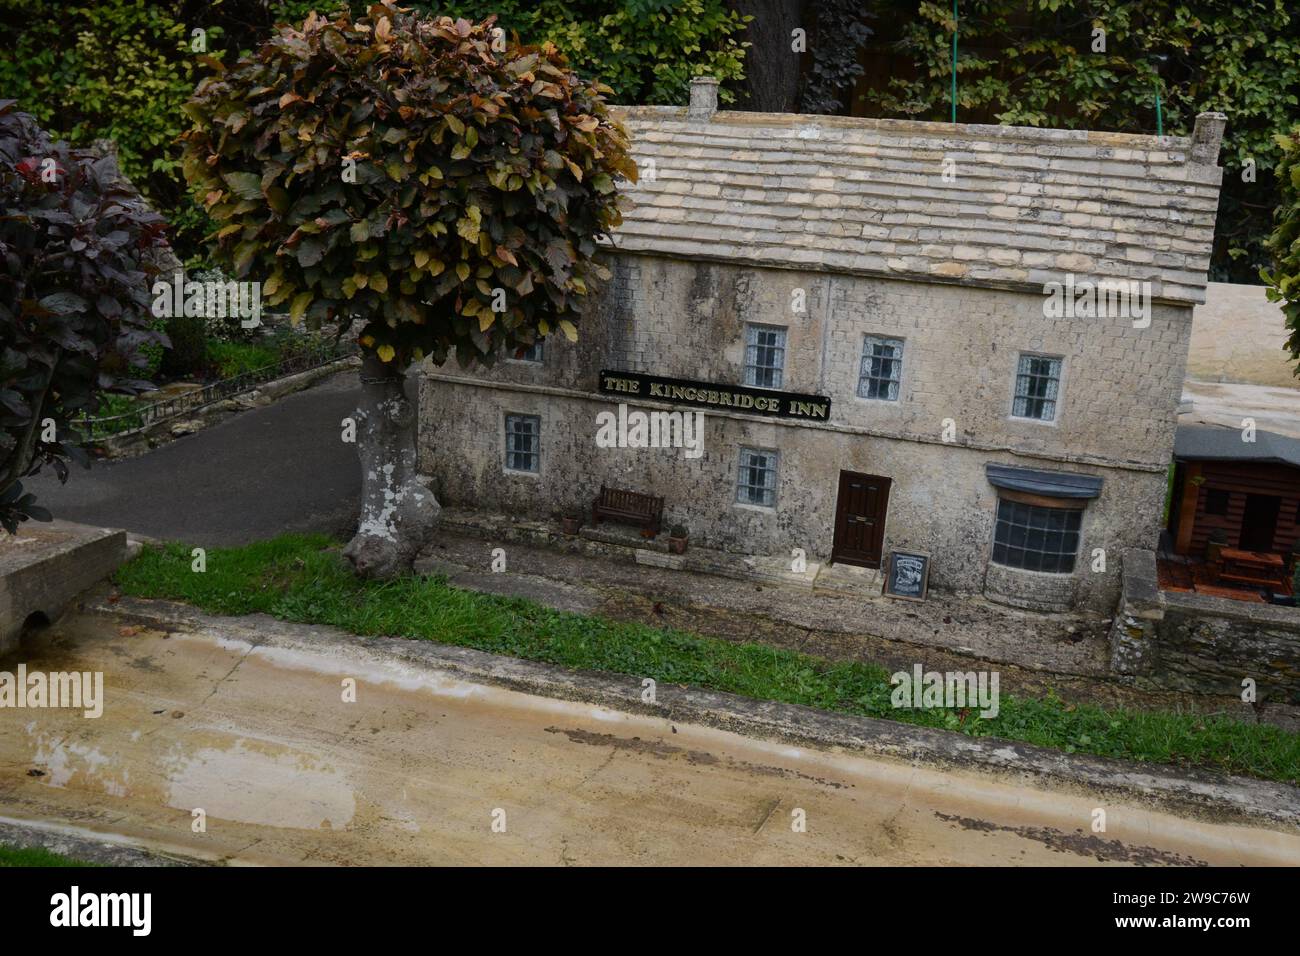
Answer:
(1036, 537)
(1039, 516)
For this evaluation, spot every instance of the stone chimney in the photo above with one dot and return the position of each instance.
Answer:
(1206, 137)
(704, 99)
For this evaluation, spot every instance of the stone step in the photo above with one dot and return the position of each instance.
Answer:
(848, 579)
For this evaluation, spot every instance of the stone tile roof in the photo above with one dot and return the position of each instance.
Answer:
(865, 196)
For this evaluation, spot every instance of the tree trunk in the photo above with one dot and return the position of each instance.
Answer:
(397, 510)
(772, 69)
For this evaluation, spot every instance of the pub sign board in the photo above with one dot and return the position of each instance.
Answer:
(907, 575)
(710, 396)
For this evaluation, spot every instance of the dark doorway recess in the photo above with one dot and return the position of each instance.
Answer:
(1259, 522)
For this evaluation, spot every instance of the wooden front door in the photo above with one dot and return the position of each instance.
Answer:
(860, 519)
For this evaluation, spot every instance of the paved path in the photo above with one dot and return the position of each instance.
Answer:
(254, 475)
(259, 737)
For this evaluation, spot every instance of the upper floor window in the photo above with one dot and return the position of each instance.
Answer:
(756, 484)
(531, 354)
(1038, 381)
(1036, 538)
(764, 355)
(882, 368)
(523, 443)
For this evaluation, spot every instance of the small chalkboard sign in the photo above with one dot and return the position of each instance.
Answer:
(907, 575)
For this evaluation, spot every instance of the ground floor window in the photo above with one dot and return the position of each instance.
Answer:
(1037, 537)
(756, 484)
(523, 442)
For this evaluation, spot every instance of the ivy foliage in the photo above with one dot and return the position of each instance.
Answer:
(1284, 244)
(75, 242)
(445, 188)
(1038, 64)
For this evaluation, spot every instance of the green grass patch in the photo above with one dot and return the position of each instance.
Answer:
(34, 856)
(235, 358)
(305, 579)
(123, 409)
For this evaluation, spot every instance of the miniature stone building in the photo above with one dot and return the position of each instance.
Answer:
(886, 283)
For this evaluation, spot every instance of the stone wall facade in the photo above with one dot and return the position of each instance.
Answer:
(1181, 641)
(683, 319)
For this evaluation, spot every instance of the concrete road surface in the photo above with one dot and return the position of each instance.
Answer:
(422, 765)
(254, 475)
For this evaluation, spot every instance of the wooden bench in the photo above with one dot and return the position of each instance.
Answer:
(629, 507)
(1259, 569)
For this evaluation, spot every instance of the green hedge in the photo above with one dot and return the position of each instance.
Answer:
(114, 69)
(120, 69)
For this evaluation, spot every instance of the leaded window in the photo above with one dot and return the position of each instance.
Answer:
(764, 355)
(1036, 538)
(1038, 382)
(523, 443)
(882, 368)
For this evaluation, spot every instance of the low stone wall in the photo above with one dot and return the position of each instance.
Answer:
(1175, 640)
(160, 433)
(1031, 590)
(44, 566)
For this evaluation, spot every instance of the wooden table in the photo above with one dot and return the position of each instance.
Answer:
(1259, 568)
